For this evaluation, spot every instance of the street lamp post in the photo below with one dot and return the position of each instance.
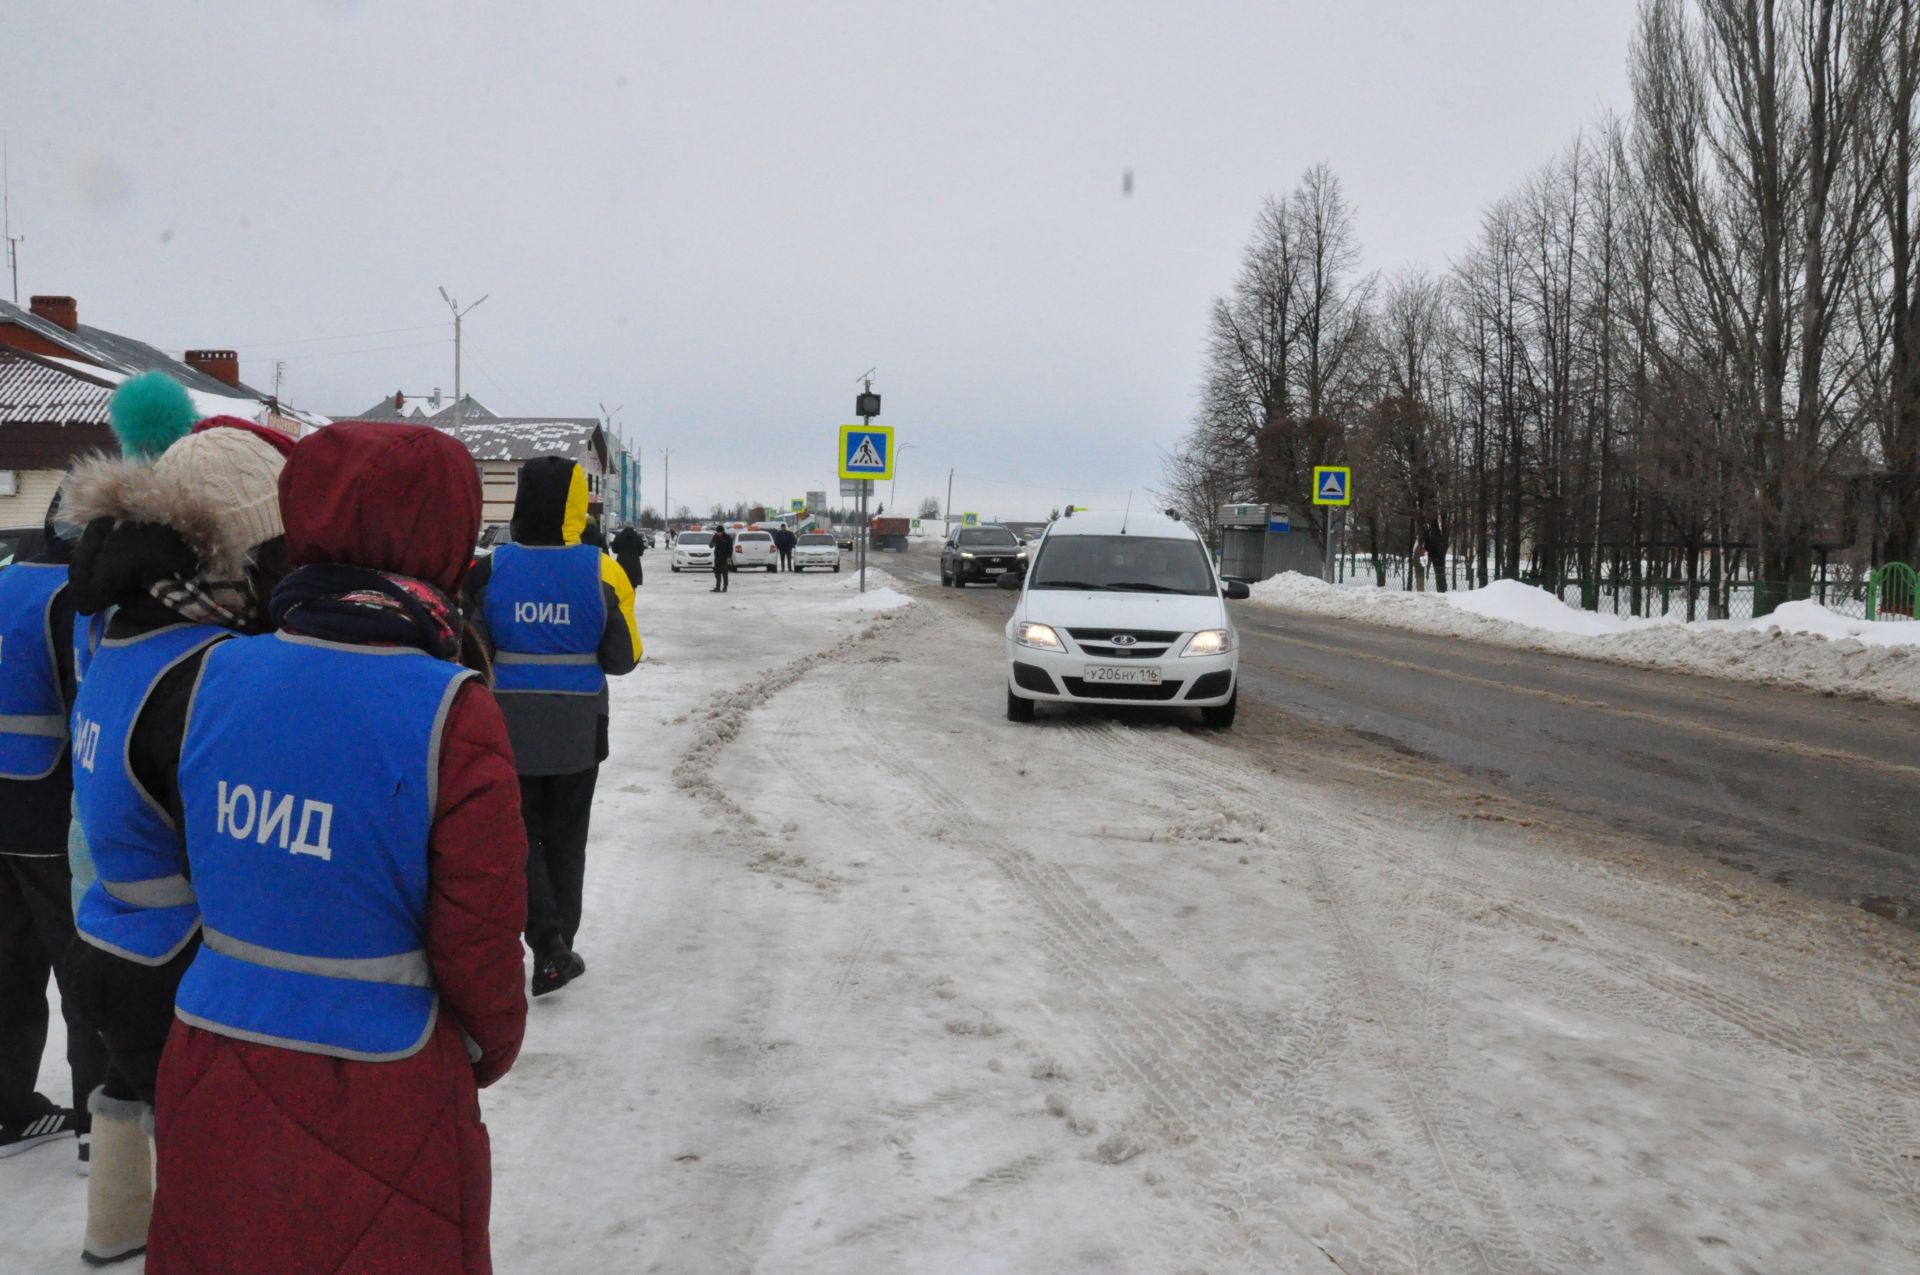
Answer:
(666, 488)
(458, 314)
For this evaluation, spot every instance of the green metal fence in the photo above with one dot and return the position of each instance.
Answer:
(1890, 592)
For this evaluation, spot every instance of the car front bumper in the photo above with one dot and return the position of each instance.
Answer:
(1060, 677)
(816, 559)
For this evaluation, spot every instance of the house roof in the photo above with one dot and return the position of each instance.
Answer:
(518, 438)
(44, 392)
(121, 353)
(422, 409)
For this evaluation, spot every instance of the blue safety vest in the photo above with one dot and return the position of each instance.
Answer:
(309, 777)
(89, 631)
(33, 711)
(139, 905)
(546, 612)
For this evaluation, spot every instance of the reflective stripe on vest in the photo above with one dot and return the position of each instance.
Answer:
(309, 849)
(33, 708)
(545, 610)
(139, 906)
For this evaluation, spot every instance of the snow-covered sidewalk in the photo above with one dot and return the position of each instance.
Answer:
(1802, 644)
(881, 982)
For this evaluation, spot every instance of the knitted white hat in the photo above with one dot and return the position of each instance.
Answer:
(233, 474)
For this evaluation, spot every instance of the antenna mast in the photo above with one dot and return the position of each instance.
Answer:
(6, 217)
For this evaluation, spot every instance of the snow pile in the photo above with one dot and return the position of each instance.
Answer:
(881, 599)
(1802, 644)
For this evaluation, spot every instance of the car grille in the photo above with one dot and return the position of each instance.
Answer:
(1151, 644)
(1120, 690)
(1107, 635)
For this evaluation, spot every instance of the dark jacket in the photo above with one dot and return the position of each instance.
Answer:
(295, 1162)
(560, 734)
(784, 540)
(722, 550)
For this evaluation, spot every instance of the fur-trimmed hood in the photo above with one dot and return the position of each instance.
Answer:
(106, 486)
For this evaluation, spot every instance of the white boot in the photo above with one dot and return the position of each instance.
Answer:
(120, 1187)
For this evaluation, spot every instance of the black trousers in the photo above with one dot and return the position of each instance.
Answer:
(720, 574)
(36, 926)
(632, 567)
(786, 559)
(557, 809)
(129, 1006)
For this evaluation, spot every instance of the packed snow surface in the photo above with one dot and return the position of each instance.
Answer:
(1801, 644)
(881, 982)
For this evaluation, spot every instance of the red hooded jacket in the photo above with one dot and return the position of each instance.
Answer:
(302, 1164)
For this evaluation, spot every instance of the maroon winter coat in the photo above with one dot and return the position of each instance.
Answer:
(302, 1164)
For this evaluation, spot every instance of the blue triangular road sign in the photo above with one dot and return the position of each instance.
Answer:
(1333, 485)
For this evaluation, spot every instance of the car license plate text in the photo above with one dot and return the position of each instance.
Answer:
(1119, 673)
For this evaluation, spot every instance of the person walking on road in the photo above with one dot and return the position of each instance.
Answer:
(347, 796)
(629, 546)
(722, 559)
(37, 650)
(784, 540)
(557, 616)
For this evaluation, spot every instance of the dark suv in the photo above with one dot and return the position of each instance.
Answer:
(980, 553)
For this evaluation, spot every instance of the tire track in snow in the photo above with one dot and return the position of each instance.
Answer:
(1199, 1072)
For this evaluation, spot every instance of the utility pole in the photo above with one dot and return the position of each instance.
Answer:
(458, 314)
(946, 514)
(666, 489)
(893, 491)
(6, 216)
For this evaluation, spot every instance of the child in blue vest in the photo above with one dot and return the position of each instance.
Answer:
(351, 815)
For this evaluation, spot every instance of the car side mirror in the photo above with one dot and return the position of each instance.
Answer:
(1012, 580)
(1236, 591)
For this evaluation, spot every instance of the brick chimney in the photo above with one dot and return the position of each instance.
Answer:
(221, 365)
(62, 310)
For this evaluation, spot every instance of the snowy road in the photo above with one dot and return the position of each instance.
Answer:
(881, 982)
(1818, 794)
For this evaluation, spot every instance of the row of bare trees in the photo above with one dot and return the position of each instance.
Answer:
(1695, 331)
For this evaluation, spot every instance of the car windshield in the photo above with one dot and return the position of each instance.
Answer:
(696, 539)
(822, 541)
(988, 538)
(1124, 564)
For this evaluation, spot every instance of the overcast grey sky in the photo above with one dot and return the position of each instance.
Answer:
(720, 214)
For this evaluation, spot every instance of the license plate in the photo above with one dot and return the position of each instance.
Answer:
(1120, 673)
(992, 571)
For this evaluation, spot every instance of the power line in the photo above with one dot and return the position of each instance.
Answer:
(338, 336)
(371, 349)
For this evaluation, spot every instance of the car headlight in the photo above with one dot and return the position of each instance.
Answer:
(965, 554)
(1039, 637)
(1209, 642)
(1021, 554)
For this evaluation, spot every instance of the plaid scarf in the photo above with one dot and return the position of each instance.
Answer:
(231, 604)
(360, 605)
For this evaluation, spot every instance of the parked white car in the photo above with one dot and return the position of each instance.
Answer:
(816, 549)
(693, 551)
(1122, 609)
(755, 549)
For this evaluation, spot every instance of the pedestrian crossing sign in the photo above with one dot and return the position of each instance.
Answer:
(1332, 485)
(866, 451)
(798, 505)
(969, 520)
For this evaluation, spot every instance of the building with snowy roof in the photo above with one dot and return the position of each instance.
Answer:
(419, 409)
(50, 328)
(504, 443)
(51, 414)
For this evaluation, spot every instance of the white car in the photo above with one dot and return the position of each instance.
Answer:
(816, 549)
(1122, 609)
(693, 551)
(755, 549)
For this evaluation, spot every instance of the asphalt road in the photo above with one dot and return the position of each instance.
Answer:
(1818, 794)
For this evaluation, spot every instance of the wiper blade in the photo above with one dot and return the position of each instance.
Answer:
(1066, 584)
(1140, 586)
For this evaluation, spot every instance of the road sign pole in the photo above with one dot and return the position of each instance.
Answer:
(866, 521)
(1332, 513)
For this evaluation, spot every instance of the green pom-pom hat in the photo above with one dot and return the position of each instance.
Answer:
(150, 412)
